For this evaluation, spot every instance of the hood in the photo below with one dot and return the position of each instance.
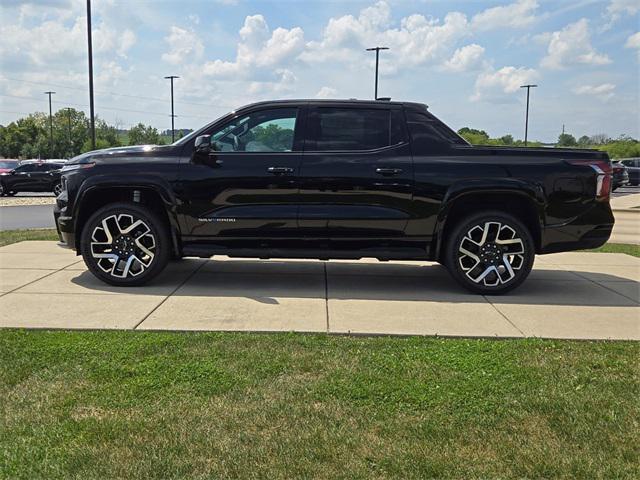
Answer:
(120, 152)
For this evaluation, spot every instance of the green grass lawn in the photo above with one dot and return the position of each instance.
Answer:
(231, 405)
(12, 236)
(221, 405)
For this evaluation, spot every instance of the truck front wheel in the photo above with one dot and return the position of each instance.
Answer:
(125, 244)
(490, 252)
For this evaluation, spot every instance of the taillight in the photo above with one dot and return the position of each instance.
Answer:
(603, 171)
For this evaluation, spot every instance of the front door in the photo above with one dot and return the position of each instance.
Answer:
(356, 179)
(248, 185)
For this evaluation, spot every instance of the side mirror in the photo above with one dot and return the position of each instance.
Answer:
(203, 144)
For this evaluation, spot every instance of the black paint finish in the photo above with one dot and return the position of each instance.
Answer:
(393, 202)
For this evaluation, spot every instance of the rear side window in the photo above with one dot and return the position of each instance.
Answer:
(430, 135)
(340, 129)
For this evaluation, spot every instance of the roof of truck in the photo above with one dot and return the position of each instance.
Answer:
(343, 101)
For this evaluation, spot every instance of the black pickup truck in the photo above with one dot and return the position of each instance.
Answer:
(333, 179)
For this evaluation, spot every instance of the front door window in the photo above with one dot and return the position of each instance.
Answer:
(262, 131)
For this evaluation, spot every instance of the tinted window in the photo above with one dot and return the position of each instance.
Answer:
(29, 167)
(262, 131)
(332, 129)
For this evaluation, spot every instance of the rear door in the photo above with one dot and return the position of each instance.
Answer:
(248, 186)
(356, 179)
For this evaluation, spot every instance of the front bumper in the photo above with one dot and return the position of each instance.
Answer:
(64, 224)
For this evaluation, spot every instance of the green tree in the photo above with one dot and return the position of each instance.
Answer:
(583, 141)
(473, 136)
(566, 140)
(141, 134)
(507, 139)
(106, 137)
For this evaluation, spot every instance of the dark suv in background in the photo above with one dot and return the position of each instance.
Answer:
(333, 179)
(633, 169)
(32, 176)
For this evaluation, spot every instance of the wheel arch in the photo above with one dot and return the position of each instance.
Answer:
(527, 206)
(153, 196)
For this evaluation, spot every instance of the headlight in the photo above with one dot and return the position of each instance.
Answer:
(76, 166)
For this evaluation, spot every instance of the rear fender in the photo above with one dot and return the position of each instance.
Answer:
(479, 190)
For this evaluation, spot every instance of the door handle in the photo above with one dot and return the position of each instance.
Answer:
(280, 170)
(388, 171)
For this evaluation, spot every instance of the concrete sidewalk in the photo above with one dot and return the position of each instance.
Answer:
(569, 295)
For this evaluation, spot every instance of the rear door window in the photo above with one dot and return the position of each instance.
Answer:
(348, 129)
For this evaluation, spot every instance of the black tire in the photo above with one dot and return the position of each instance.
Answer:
(489, 261)
(2, 190)
(10, 194)
(141, 253)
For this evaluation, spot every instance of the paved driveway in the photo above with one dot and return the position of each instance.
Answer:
(569, 295)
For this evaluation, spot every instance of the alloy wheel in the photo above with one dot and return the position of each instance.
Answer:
(491, 253)
(57, 189)
(123, 246)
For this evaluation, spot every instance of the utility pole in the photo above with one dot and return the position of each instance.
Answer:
(50, 125)
(377, 50)
(526, 121)
(173, 130)
(90, 45)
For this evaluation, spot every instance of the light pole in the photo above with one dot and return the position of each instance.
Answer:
(70, 138)
(173, 130)
(526, 120)
(50, 125)
(377, 50)
(90, 45)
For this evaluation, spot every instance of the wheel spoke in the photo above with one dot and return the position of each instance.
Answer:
(491, 253)
(123, 246)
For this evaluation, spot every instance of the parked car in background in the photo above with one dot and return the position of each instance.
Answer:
(8, 165)
(333, 179)
(620, 175)
(633, 169)
(32, 176)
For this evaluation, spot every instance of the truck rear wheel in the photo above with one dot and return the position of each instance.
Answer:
(490, 252)
(125, 244)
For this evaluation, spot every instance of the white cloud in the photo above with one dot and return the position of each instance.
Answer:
(634, 42)
(496, 84)
(326, 92)
(603, 92)
(184, 45)
(466, 58)
(571, 46)
(53, 41)
(418, 39)
(258, 47)
(516, 15)
(616, 9)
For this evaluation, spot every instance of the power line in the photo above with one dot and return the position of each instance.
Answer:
(104, 92)
(103, 108)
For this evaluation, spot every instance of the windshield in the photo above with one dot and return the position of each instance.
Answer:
(202, 130)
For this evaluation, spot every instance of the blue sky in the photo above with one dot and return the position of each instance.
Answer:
(465, 59)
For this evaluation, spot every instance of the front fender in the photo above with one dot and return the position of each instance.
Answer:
(107, 182)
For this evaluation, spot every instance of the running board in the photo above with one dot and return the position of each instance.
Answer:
(408, 253)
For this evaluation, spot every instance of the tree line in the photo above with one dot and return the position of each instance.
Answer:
(29, 137)
(622, 147)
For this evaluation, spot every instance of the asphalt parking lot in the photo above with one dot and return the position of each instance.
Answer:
(569, 295)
